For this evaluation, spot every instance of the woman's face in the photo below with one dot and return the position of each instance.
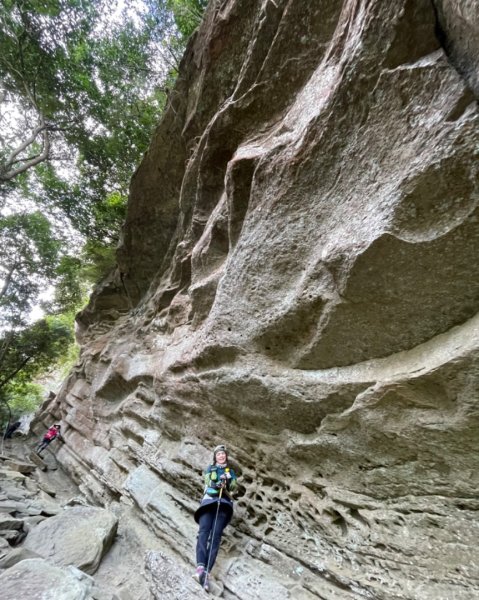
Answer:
(221, 457)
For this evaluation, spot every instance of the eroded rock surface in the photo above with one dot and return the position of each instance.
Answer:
(298, 278)
(168, 581)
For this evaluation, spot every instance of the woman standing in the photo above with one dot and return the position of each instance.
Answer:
(214, 512)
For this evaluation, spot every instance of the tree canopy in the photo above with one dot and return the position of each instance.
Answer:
(82, 83)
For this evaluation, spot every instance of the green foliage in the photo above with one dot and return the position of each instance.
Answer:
(76, 275)
(85, 90)
(24, 397)
(81, 91)
(70, 291)
(28, 261)
(67, 360)
(98, 260)
(109, 215)
(187, 14)
(27, 353)
(70, 61)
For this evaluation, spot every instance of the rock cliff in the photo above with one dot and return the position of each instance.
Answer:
(299, 279)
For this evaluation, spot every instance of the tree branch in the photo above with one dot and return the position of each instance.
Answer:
(7, 280)
(11, 159)
(11, 375)
(10, 173)
(175, 64)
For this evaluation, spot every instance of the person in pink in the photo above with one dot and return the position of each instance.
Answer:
(52, 434)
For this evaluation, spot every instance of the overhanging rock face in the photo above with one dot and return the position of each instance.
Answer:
(299, 279)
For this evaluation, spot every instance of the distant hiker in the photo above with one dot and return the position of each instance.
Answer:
(214, 513)
(50, 435)
(11, 429)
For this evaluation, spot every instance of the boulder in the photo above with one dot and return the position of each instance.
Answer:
(13, 536)
(30, 522)
(9, 506)
(38, 461)
(17, 494)
(7, 522)
(21, 467)
(11, 475)
(37, 579)
(78, 536)
(15, 556)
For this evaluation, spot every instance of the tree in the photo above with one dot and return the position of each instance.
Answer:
(28, 261)
(33, 348)
(73, 78)
(81, 90)
(25, 354)
(30, 47)
(31, 261)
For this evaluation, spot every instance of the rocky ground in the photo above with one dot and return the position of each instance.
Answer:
(54, 545)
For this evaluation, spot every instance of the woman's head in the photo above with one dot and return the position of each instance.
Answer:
(220, 455)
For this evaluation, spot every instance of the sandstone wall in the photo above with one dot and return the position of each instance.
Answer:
(299, 279)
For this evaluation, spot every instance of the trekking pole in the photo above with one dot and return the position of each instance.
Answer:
(213, 535)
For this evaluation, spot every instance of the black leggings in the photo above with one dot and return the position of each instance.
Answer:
(208, 543)
(43, 444)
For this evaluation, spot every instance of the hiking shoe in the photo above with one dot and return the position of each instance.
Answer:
(199, 575)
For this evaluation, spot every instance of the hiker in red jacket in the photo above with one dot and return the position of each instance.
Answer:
(50, 435)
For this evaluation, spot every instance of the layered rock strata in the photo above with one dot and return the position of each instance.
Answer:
(298, 279)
